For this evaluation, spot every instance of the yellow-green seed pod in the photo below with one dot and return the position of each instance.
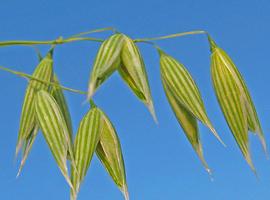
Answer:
(188, 123)
(133, 72)
(184, 89)
(86, 141)
(55, 130)
(110, 154)
(44, 72)
(106, 62)
(234, 100)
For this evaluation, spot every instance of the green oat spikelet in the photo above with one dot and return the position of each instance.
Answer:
(188, 123)
(28, 126)
(106, 62)
(110, 154)
(55, 130)
(184, 89)
(86, 141)
(132, 70)
(235, 100)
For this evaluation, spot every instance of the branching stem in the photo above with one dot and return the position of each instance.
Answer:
(76, 38)
(28, 76)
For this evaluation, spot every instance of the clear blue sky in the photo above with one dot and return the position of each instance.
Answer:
(160, 163)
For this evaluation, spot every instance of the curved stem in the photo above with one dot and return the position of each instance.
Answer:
(94, 31)
(82, 39)
(171, 36)
(27, 76)
(153, 44)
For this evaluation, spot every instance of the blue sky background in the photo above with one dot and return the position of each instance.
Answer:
(160, 162)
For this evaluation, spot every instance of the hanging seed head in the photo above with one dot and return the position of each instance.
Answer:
(133, 72)
(109, 153)
(184, 89)
(106, 62)
(234, 100)
(55, 130)
(28, 125)
(86, 141)
(185, 100)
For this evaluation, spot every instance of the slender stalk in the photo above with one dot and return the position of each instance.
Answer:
(49, 42)
(171, 36)
(27, 76)
(94, 31)
(60, 40)
(82, 39)
(151, 43)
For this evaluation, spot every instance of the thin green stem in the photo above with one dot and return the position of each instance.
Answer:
(151, 43)
(49, 42)
(27, 76)
(171, 36)
(94, 31)
(82, 39)
(92, 103)
(60, 40)
(154, 45)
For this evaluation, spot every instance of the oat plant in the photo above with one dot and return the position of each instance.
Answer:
(45, 110)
